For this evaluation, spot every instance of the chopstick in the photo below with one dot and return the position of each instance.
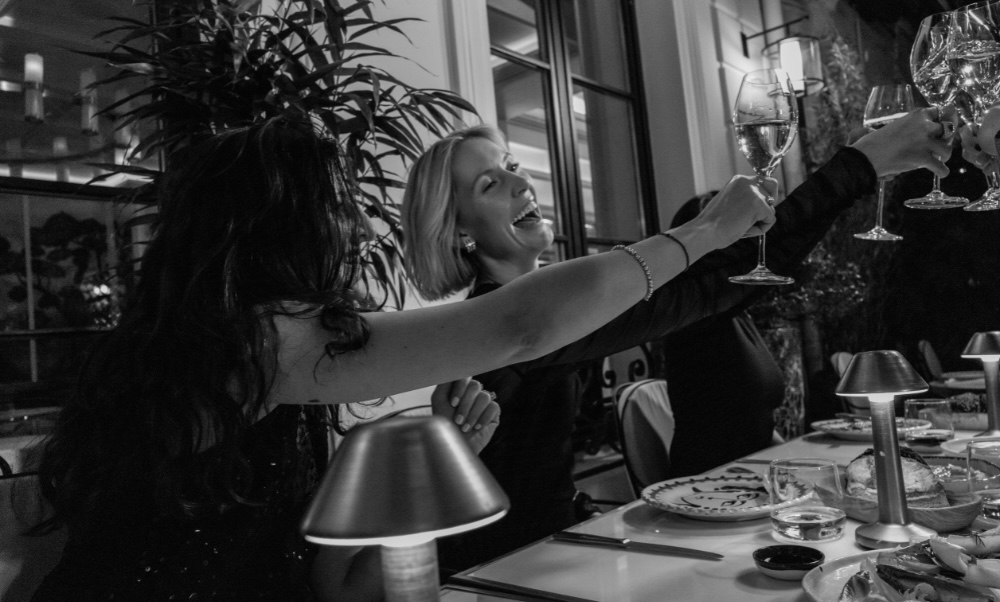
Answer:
(520, 592)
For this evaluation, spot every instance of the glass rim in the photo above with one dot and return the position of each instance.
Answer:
(807, 463)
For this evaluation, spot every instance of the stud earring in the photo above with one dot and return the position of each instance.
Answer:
(469, 245)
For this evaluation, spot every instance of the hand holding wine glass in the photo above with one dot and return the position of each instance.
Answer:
(765, 119)
(886, 104)
(935, 80)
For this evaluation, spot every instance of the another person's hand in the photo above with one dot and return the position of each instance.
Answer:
(920, 139)
(473, 410)
(740, 209)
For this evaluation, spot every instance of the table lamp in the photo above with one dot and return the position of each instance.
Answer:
(400, 484)
(986, 347)
(880, 376)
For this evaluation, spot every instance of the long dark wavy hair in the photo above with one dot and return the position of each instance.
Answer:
(249, 220)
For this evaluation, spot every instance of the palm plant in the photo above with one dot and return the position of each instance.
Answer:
(202, 66)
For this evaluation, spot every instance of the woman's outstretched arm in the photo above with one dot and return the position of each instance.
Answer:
(531, 316)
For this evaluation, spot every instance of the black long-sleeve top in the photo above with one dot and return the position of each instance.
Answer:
(531, 454)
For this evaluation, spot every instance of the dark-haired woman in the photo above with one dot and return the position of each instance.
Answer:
(183, 463)
(471, 218)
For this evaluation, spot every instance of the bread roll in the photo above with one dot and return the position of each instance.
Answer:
(923, 489)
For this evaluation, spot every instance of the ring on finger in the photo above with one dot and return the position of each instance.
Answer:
(947, 129)
(493, 396)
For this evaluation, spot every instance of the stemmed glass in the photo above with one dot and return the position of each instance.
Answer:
(886, 104)
(934, 79)
(765, 118)
(974, 58)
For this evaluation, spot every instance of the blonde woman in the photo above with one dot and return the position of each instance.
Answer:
(471, 219)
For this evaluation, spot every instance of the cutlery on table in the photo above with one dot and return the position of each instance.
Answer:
(520, 592)
(634, 546)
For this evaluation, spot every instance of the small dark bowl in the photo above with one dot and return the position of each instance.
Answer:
(787, 562)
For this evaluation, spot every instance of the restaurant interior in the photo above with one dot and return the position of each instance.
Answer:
(880, 352)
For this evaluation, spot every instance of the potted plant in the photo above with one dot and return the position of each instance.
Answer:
(206, 65)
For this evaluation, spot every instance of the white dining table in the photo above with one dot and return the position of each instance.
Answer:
(611, 575)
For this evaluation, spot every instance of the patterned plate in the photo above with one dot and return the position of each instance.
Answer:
(861, 430)
(724, 498)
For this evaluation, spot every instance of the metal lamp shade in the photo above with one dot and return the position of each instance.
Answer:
(395, 479)
(880, 372)
(983, 343)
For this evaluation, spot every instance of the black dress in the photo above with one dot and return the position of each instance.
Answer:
(244, 552)
(724, 386)
(530, 453)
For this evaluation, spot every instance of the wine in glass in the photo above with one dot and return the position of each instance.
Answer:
(886, 104)
(974, 58)
(765, 119)
(933, 77)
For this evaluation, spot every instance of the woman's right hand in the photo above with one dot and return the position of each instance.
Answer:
(739, 210)
(472, 409)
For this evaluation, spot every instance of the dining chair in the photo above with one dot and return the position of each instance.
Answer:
(645, 423)
(930, 360)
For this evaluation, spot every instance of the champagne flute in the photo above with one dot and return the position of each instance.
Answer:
(765, 119)
(886, 104)
(974, 57)
(933, 77)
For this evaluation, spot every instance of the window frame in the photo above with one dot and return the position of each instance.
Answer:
(566, 178)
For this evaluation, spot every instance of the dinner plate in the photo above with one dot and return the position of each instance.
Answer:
(963, 375)
(861, 430)
(721, 498)
(825, 582)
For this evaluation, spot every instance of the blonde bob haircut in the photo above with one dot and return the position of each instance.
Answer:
(434, 258)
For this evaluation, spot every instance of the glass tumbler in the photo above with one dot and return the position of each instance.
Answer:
(935, 411)
(805, 496)
(983, 463)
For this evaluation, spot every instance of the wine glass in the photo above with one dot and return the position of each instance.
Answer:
(765, 119)
(933, 77)
(886, 104)
(974, 57)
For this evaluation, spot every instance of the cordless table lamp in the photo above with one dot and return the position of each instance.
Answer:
(986, 347)
(880, 376)
(400, 484)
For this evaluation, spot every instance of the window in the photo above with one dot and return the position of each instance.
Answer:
(59, 235)
(569, 100)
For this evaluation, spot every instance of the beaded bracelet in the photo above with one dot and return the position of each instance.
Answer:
(687, 258)
(642, 263)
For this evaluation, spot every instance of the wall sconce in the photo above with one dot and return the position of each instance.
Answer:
(88, 103)
(985, 346)
(880, 376)
(34, 104)
(400, 484)
(797, 55)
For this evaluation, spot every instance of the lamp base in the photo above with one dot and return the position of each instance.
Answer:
(889, 535)
(989, 433)
(410, 573)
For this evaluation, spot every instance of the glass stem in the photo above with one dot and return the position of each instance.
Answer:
(760, 240)
(760, 253)
(937, 185)
(881, 201)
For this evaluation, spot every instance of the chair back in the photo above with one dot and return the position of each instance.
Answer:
(24, 559)
(840, 360)
(645, 424)
(930, 359)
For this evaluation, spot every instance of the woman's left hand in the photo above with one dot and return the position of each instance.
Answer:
(473, 410)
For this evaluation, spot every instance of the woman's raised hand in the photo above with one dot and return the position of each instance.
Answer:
(739, 210)
(473, 410)
(920, 139)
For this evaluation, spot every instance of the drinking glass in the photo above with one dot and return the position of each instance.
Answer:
(805, 493)
(974, 57)
(886, 104)
(983, 463)
(933, 77)
(935, 411)
(765, 119)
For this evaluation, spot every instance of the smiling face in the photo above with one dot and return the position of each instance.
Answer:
(497, 209)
